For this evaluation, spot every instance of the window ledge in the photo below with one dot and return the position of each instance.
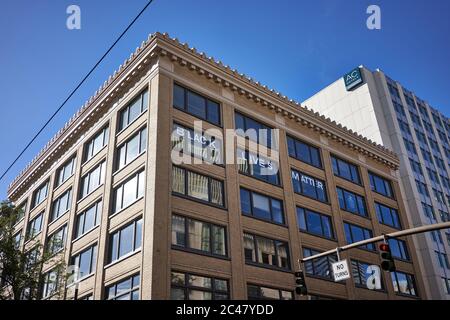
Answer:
(129, 124)
(200, 252)
(84, 234)
(126, 207)
(128, 255)
(128, 164)
(95, 189)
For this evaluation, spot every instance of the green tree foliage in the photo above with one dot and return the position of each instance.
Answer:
(21, 271)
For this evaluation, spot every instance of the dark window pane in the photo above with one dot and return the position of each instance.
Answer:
(196, 105)
(178, 97)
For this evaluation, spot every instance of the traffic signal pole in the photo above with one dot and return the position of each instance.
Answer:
(397, 234)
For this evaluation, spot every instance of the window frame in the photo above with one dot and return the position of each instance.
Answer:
(360, 285)
(187, 246)
(120, 186)
(93, 255)
(129, 291)
(356, 195)
(373, 187)
(359, 181)
(257, 263)
(309, 146)
(139, 96)
(37, 194)
(102, 172)
(410, 281)
(260, 297)
(50, 246)
(60, 172)
(186, 195)
(270, 199)
(258, 177)
(269, 144)
(117, 257)
(55, 213)
(363, 247)
(177, 124)
(325, 191)
(321, 215)
(392, 211)
(186, 287)
(98, 203)
(206, 108)
(138, 133)
(87, 154)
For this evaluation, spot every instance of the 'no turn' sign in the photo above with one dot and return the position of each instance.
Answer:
(340, 270)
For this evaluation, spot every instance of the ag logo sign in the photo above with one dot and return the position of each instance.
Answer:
(352, 79)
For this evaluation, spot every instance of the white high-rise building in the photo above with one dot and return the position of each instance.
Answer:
(381, 109)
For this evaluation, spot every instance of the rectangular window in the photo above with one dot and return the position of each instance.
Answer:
(345, 170)
(186, 286)
(442, 259)
(266, 251)
(21, 210)
(133, 110)
(387, 215)
(309, 186)
(65, 172)
(255, 292)
(93, 179)
(196, 105)
(197, 186)
(96, 143)
(40, 194)
(129, 191)
(381, 185)
(197, 235)
(354, 233)
(404, 283)
(57, 240)
(260, 206)
(85, 261)
(34, 226)
(126, 289)
(446, 283)
(125, 240)
(257, 166)
(253, 130)
(399, 249)
(319, 267)
(315, 223)
(51, 281)
(351, 202)
(88, 219)
(304, 152)
(361, 274)
(131, 148)
(197, 144)
(61, 205)
(18, 239)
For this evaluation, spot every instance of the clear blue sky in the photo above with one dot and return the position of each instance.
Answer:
(295, 47)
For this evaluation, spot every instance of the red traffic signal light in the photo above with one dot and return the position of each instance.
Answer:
(387, 262)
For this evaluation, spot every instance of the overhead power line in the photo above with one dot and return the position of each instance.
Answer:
(76, 88)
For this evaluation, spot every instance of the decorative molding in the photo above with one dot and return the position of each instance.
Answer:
(161, 45)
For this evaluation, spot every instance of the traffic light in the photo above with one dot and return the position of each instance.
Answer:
(387, 263)
(300, 283)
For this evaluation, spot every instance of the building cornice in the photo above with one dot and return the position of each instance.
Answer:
(161, 45)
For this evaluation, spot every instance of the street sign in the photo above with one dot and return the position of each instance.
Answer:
(340, 270)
